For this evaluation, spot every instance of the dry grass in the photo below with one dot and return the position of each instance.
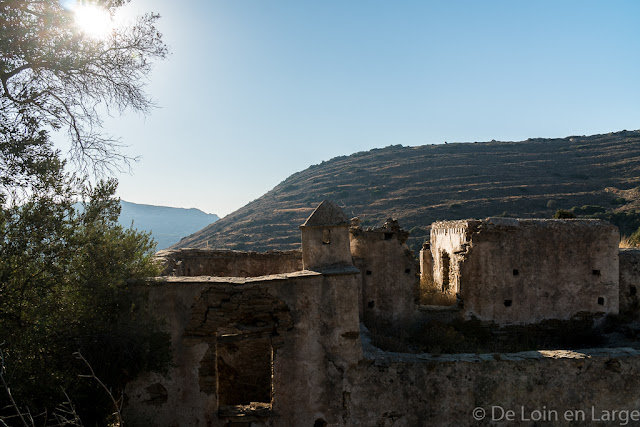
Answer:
(416, 186)
(626, 243)
(434, 297)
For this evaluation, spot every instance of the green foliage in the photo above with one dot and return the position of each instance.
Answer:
(628, 221)
(64, 274)
(64, 287)
(588, 210)
(563, 214)
(619, 201)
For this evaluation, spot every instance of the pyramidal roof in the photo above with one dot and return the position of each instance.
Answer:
(326, 214)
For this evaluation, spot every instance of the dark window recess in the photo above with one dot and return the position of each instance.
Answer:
(600, 301)
(326, 236)
(320, 423)
(445, 271)
(244, 372)
(188, 272)
(368, 273)
(595, 272)
(388, 236)
(371, 304)
(516, 272)
(408, 270)
(632, 290)
(507, 303)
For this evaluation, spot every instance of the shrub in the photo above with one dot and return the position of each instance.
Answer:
(563, 214)
(65, 287)
(588, 210)
(619, 201)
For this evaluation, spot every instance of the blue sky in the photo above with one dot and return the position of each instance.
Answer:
(256, 90)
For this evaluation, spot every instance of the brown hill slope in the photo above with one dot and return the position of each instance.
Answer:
(419, 185)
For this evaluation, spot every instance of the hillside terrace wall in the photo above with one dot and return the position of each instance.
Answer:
(228, 263)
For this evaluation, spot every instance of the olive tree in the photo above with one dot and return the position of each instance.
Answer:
(53, 77)
(65, 272)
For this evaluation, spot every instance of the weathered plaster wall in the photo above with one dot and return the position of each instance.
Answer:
(389, 273)
(630, 282)
(310, 319)
(426, 268)
(392, 389)
(227, 263)
(525, 271)
(448, 242)
(319, 255)
(304, 326)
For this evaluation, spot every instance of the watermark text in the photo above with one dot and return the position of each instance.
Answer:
(518, 414)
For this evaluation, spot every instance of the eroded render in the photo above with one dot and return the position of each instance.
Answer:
(281, 338)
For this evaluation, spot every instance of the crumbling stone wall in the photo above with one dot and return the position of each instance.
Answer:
(630, 283)
(220, 326)
(289, 349)
(389, 273)
(325, 238)
(227, 263)
(426, 268)
(525, 271)
(423, 389)
(325, 247)
(448, 245)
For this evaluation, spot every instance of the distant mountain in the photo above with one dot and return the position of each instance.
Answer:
(597, 174)
(167, 225)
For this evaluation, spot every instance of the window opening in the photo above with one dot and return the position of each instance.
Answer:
(244, 370)
(445, 271)
(326, 236)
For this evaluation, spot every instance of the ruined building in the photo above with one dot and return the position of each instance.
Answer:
(281, 338)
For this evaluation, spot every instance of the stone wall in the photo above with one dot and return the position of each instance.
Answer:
(306, 323)
(426, 269)
(630, 283)
(325, 247)
(392, 389)
(289, 349)
(389, 273)
(525, 271)
(448, 242)
(227, 263)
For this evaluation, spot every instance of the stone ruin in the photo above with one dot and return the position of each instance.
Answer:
(510, 271)
(282, 338)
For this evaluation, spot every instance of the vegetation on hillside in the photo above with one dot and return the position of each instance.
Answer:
(420, 185)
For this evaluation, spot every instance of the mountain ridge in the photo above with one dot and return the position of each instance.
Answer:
(419, 185)
(166, 224)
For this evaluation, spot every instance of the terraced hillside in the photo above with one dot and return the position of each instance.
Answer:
(419, 185)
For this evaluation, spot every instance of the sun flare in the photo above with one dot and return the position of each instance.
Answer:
(93, 20)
